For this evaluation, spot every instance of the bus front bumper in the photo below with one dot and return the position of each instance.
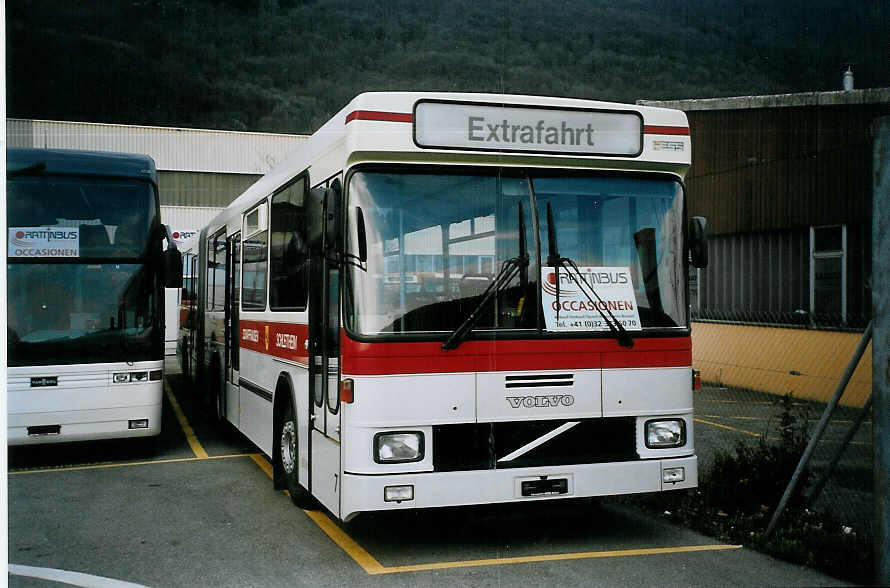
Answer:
(76, 425)
(434, 489)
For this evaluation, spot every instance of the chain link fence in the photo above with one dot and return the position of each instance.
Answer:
(768, 380)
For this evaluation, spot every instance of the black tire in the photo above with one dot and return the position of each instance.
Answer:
(287, 457)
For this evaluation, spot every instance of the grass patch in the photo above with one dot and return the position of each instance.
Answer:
(738, 493)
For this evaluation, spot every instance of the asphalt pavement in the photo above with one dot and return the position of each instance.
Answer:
(195, 507)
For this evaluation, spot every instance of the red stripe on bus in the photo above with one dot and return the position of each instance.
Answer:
(380, 116)
(663, 130)
(288, 341)
(489, 356)
(282, 340)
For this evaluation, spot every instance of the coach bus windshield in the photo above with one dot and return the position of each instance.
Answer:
(81, 286)
(436, 241)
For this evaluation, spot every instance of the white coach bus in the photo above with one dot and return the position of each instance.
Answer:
(452, 299)
(85, 301)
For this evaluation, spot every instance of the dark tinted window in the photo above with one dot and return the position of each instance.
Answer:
(289, 253)
(113, 218)
(216, 273)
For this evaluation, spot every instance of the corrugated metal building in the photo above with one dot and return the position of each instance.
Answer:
(199, 171)
(786, 184)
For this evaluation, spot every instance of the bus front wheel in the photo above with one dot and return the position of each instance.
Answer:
(287, 457)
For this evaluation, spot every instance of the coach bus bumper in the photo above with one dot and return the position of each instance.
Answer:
(368, 493)
(75, 425)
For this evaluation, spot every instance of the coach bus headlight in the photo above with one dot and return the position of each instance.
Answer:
(398, 493)
(673, 475)
(398, 447)
(125, 377)
(664, 434)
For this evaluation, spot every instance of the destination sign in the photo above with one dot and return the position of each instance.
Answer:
(516, 128)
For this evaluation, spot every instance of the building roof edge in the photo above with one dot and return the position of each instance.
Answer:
(838, 98)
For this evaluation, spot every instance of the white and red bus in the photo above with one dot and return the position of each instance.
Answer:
(187, 299)
(86, 274)
(173, 302)
(452, 299)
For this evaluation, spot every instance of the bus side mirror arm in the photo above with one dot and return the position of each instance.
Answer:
(172, 261)
(698, 241)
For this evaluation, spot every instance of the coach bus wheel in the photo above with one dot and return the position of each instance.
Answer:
(287, 457)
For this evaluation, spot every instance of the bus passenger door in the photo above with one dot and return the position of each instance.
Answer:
(231, 402)
(324, 366)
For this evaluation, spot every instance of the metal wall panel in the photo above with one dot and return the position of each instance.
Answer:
(19, 133)
(764, 277)
(772, 168)
(760, 277)
(187, 218)
(173, 149)
(202, 189)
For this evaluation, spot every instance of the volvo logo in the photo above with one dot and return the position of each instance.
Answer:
(549, 400)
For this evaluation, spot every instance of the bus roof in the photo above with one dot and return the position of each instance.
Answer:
(76, 162)
(389, 127)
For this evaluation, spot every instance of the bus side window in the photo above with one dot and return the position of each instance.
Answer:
(289, 267)
(254, 254)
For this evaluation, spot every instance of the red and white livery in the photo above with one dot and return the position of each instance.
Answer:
(452, 299)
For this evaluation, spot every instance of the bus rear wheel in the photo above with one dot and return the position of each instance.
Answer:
(287, 456)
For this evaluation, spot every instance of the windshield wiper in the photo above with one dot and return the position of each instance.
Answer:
(509, 270)
(555, 261)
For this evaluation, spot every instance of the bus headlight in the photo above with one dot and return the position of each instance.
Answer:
(127, 377)
(398, 447)
(398, 493)
(662, 434)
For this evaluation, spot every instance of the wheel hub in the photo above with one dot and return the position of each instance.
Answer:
(288, 447)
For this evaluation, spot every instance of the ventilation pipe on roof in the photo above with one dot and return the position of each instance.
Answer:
(848, 79)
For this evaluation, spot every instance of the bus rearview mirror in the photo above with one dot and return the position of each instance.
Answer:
(698, 241)
(172, 268)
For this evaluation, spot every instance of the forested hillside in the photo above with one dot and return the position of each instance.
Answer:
(287, 65)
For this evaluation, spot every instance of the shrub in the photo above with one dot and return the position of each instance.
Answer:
(751, 478)
(739, 492)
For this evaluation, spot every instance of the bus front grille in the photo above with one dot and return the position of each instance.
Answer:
(533, 444)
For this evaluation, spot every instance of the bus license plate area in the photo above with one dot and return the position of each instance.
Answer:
(544, 486)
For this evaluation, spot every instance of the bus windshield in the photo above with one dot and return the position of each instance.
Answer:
(435, 242)
(81, 286)
(111, 218)
(80, 313)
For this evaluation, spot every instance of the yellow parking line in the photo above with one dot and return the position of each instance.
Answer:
(100, 466)
(346, 543)
(733, 429)
(190, 436)
(557, 557)
(263, 463)
(727, 427)
(373, 567)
